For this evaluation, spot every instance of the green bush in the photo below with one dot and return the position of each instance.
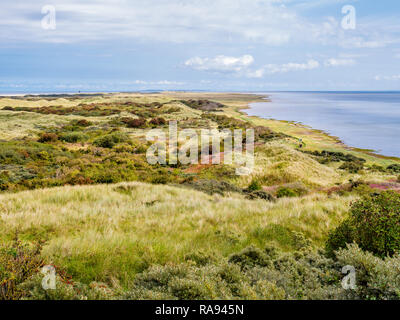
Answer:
(18, 262)
(260, 194)
(211, 186)
(73, 137)
(254, 185)
(110, 140)
(340, 237)
(352, 167)
(374, 224)
(376, 278)
(395, 168)
(285, 192)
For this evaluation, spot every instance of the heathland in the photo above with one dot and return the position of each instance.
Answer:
(78, 193)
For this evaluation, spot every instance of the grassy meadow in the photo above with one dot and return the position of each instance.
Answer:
(75, 183)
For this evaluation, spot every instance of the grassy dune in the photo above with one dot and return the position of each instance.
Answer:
(105, 231)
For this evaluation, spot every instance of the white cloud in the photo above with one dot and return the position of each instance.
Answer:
(162, 82)
(292, 66)
(388, 78)
(221, 63)
(264, 21)
(339, 62)
(243, 66)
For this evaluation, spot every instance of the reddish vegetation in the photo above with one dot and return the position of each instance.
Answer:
(386, 186)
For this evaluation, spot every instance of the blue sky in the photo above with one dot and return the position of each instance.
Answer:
(222, 45)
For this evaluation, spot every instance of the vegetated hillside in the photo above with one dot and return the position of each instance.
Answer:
(102, 213)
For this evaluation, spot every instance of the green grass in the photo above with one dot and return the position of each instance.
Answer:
(154, 224)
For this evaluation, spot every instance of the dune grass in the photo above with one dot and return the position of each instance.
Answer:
(115, 231)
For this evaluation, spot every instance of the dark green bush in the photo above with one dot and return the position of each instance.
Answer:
(73, 137)
(212, 186)
(340, 237)
(110, 140)
(250, 257)
(352, 167)
(395, 168)
(374, 224)
(260, 194)
(285, 192)
(332, 156)
(254, 185)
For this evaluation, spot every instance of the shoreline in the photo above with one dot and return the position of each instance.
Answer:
(302, 125)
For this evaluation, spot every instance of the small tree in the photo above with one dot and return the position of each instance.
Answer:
(374, 224)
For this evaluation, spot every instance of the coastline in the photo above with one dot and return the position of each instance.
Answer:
(300, 125)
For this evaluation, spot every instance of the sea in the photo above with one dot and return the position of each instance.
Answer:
(366, 120)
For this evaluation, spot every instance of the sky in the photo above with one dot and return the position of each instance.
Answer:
(213, 45)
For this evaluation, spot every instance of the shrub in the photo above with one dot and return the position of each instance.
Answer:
(18, 262)
(65, 290)
(255, 185)
(352, 167)
(376, 278)
(73, 137)
(83, 123)
(332, 156)
(134, 123)
(285, 192)
(250, 257)
(110, 140)
(260, 194)
(340, 237)
(158, 121)
(374, 224)
(212, 186)
(395, 168)
(48, 137)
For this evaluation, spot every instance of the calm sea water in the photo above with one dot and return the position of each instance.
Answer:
(368, 120)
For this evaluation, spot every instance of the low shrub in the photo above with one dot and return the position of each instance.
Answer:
(83, 123)
(18, 262)
(395, 168)
(135, 123)
(259, 194)
(212, 186)
(110, 140)
(332, 156)
(73, 137)
(48, 137)
(158, 121)
(352, 167)
(254, 185)
(285, 192)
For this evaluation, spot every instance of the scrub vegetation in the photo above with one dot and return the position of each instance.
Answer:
(77, 192)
